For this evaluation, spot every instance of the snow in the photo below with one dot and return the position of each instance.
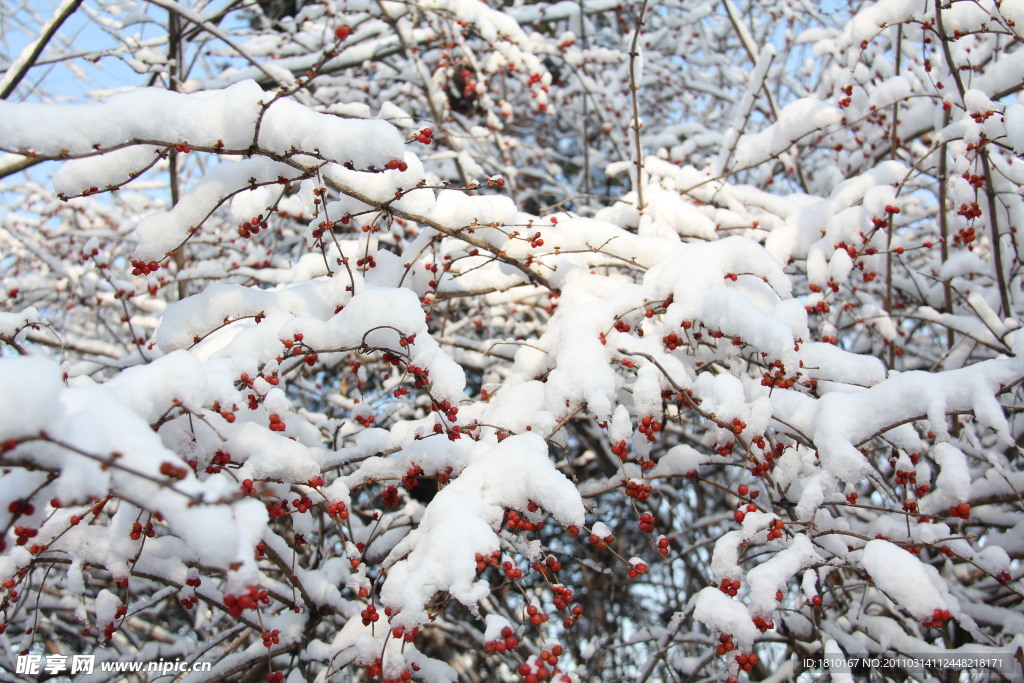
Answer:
(28, 412)
(796, 120)
(459, 523)
(276, 352)
(119, 166)
(903, 578)
(870, 21)
(722, 614)
(829, 362)
(457, 209)
(680, 459)
(846, 418)
(772, 575)
(954, 479)
(1014, 120)
(201, 119)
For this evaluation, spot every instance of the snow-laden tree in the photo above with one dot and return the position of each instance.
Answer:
(511, 340)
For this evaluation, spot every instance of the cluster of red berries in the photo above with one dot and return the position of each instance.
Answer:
(251, 599)
(25, 533)
(108, 630)
(290, 343)
(741, 514)
(729, 586)
(905, 476)
(646, 522)
(425, 136)
(421, 376)
(965, 236)
(395, 164)
(763, 624)
(938, 619)
(620, 450)
(746, 661)
(511, 570)
(251, 227)
(777, 377)
(485, 561)
(744, 490)
(775, 529)
(513, 521)
(550, 563)
(218, 461)
(399, 632)
(663, 544)
(848, 91)
(761, 468)
(411, 476)
(450, 412)
(969, 211)
(143, 268)
(820, 307)
(389, 498)
(536, 617)
(725, 644)
(228, 415)
(639, 490)
(271, 638)
(981, 116)
(672, 341)
(961, 510)
(369, 615)
(648, 426)
(365, 420)
(137, 531)
(975, 181)
(337, 511)
(171, 470)
(562, 596)
(636, 569)
(507, 642)
(323, 227)
(22, 507)
(537, 671)
(276, 423)
(601, 543)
